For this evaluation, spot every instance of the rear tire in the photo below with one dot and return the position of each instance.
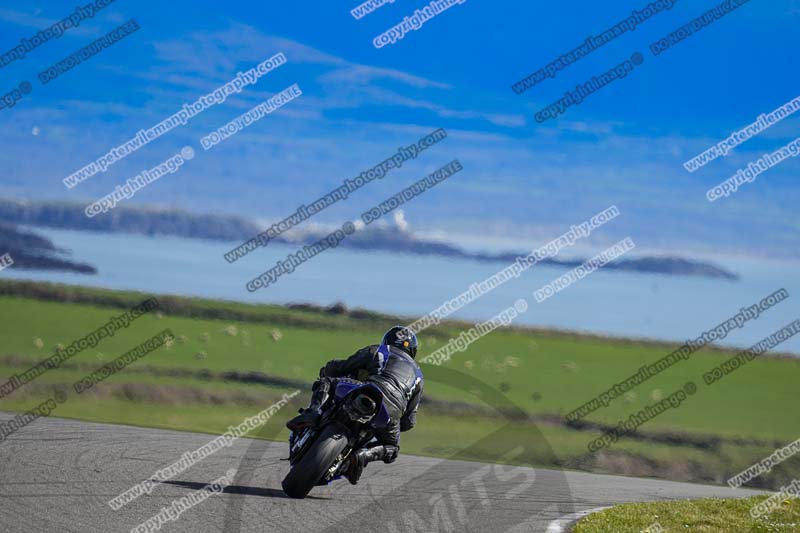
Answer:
(304, 475)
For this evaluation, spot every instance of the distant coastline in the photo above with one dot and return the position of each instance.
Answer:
(394, 240)
(31, 251)
(173, 222)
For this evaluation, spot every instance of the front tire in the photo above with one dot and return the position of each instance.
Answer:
(305, 474)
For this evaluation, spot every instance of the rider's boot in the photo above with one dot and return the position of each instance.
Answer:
(360, 458)
(310, 415)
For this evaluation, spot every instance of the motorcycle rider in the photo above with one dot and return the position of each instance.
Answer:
(391, 367)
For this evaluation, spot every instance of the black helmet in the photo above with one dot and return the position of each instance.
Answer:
(403, 338)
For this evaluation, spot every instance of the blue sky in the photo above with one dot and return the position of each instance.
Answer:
(523, 181)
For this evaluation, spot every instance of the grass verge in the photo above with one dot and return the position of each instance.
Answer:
(710, 515)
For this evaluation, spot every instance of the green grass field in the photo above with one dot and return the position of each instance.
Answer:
(542, 375)
(711, 515)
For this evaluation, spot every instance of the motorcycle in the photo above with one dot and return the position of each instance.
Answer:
(318, 455)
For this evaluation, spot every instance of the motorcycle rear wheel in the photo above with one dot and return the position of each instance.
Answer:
(307, 472)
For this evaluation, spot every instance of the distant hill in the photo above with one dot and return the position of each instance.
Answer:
(145, 221)
(394, 239)
(390, 238)
(31, 251)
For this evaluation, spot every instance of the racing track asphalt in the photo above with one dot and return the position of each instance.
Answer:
(58, 475)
